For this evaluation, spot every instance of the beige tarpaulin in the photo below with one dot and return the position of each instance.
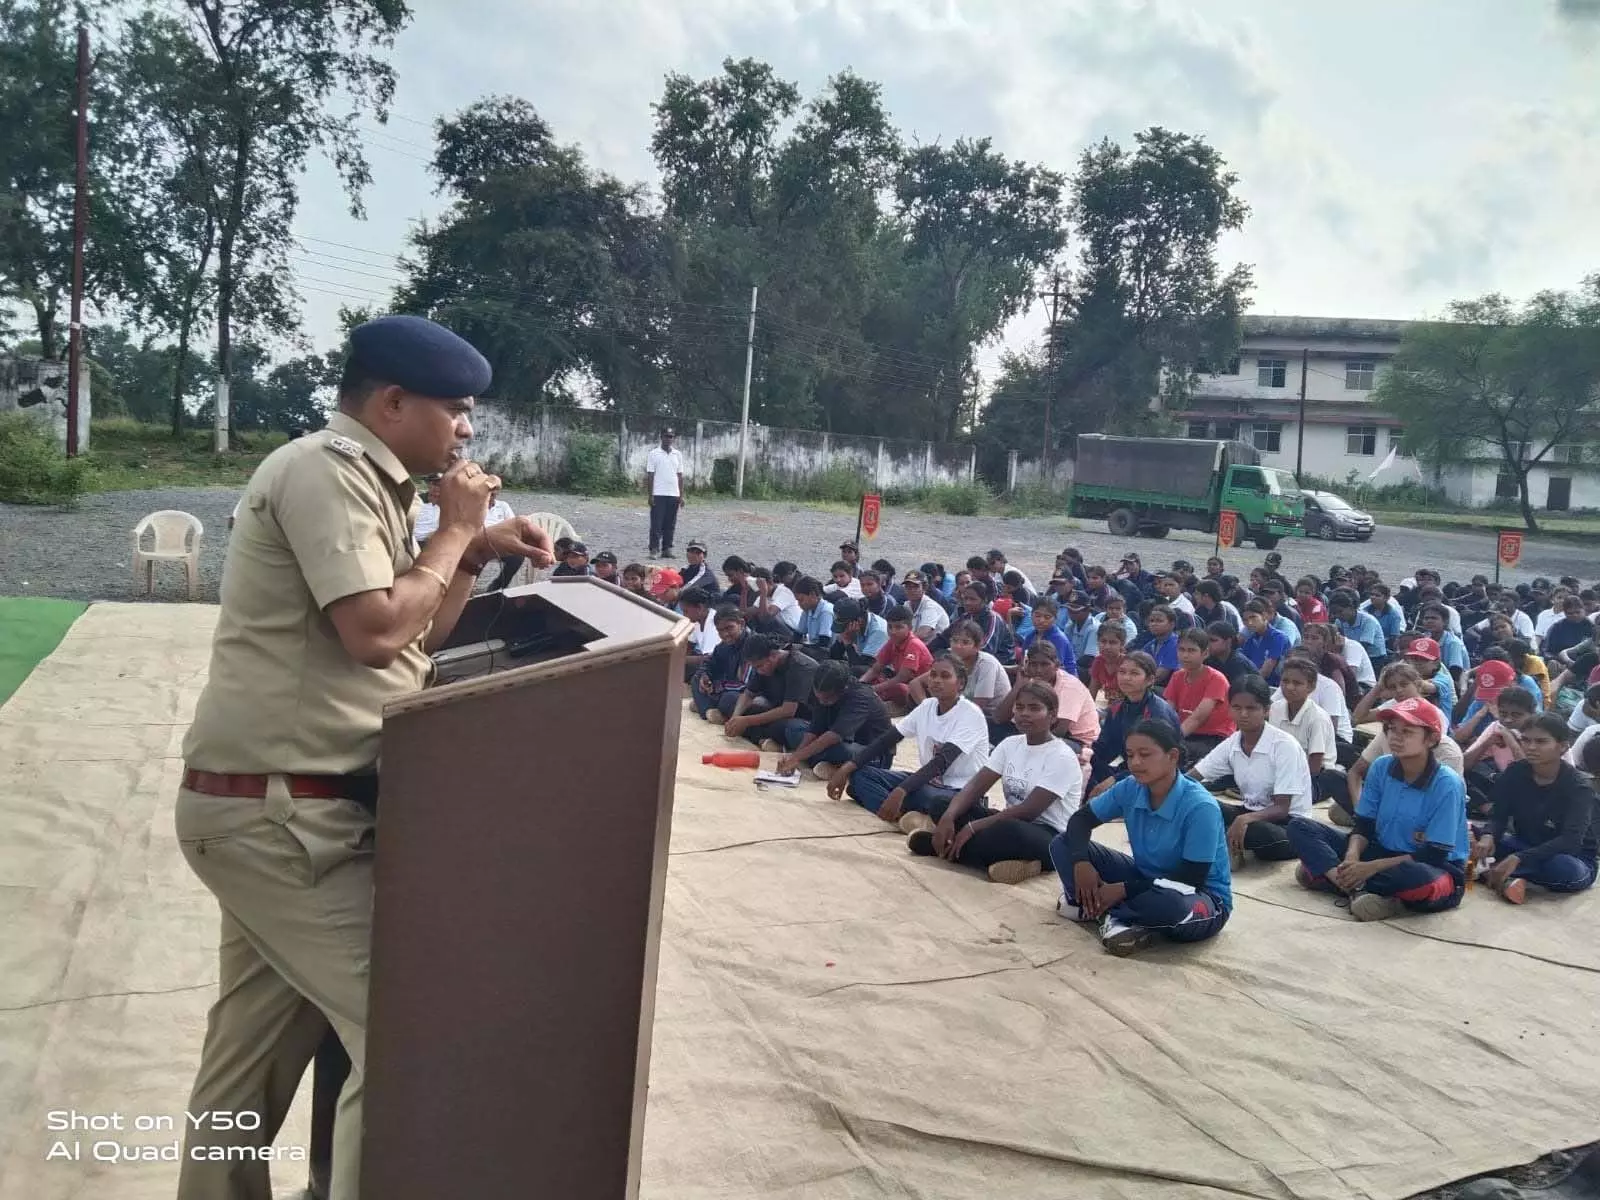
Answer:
(835, 1018)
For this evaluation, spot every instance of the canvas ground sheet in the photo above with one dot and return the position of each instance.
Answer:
(834, 1017)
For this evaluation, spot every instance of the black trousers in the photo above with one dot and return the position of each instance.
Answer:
(663, 523)
(1267, 839)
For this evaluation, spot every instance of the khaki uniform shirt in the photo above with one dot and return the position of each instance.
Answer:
(326, 516)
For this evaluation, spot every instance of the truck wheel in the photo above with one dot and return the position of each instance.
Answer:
(1122, 522)
(1265, 541)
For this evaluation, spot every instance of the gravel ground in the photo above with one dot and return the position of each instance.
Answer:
(83, 553)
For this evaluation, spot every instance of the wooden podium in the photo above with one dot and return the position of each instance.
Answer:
(526, 804)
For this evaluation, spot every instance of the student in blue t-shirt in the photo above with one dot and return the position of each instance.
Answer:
(1362, 626)
(1263, 645)
(1178, 883)
(1409, 847)
(1434, 622)
(1042, 624)
(1162, 625)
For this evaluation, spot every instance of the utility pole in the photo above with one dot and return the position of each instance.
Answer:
(1050, 367)
(80, 225)
(1300, 425)
(744, 410)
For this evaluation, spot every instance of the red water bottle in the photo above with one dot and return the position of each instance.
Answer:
(731, 758)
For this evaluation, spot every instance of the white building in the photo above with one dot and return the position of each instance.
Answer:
(1339, 361)
(1336, 362)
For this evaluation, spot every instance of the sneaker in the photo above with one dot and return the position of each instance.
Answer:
(1304, 877)
(1014, 870)
(1367, 906)
(716, 716)
(824, 771)
(1515, 891)
(1071, 912)
(917, 822)
(771, 746)
(1122, 939)
(921, 842)
(1340, 818)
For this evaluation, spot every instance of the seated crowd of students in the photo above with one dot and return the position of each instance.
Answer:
(1449, 729)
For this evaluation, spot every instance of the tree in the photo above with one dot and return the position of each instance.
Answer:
(1147, 301)
(978, 229)
(38, 157)
(275, 68)
(553, 270)
(1514, 381)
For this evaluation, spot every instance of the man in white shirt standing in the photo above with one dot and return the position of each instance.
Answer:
(664, 482)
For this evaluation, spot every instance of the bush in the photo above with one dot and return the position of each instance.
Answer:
(957, 499)
(724, 476)
(1037, 499)
(591, 464)
(32, 468)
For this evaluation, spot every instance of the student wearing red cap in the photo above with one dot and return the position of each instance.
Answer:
(1408, 850)
(1437, 683)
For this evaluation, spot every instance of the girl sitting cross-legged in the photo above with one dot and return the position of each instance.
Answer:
(952, 739)
(1541, 830)
(1041, 783)
(1177, 883)
(1409, 846)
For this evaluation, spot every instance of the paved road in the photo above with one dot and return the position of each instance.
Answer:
(83, 553)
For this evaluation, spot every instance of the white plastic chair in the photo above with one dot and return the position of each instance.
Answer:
(557, 527)
(173, 542)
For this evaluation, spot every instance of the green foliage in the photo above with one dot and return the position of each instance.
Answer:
(591, 465)
(724, 476)
(33, 469)
(1407, 494)
(127, 455)
(1511, 381)
(1148, 300)
(1037, 500)
(38, 67)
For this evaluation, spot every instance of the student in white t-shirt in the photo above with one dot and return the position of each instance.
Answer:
(1269, 772)
(952, 739)
(664, 482)
(1041, 783)
(987, 682)
(1298, 715)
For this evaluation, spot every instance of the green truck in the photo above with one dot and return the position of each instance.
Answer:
(1147, 487)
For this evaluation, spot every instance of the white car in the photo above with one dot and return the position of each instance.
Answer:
(1329, 517)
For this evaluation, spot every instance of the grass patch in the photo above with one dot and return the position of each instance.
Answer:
(127, 455)
(30, 628)
(1578, 528)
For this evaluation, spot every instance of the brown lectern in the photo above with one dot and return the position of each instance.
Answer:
(526, 804)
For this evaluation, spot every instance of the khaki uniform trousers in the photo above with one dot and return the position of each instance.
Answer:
(293, 877)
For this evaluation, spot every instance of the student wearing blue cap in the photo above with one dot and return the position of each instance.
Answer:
(328, 610)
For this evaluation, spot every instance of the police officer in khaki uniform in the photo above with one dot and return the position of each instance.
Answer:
(329, 609)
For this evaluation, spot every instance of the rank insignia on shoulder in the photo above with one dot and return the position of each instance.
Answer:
(348, 447)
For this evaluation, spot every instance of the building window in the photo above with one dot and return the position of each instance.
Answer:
(1361, 439)
(1228, 430)
(1505, 486)
(1272, 372)
(1358, 375)
(1199, 429)
(1397, 442)
(1267, 437)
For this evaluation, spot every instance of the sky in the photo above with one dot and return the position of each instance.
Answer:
(1395, 155)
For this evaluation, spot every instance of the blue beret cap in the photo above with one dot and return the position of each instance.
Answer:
(420, 356)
